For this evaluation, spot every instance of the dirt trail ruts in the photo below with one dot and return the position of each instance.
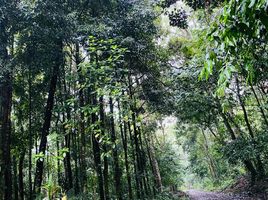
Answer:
(202, 195)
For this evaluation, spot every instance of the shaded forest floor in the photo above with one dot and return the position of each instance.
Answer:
(243, 186)
(241, 189)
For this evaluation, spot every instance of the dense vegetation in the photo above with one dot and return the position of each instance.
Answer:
(85, 87)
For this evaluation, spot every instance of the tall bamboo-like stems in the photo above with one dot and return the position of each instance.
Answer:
(123, 131)
(30, 145)
(139, 185)
(5, 115)
(97, 151)
(117, 169)
(105, 159)
(82, 148)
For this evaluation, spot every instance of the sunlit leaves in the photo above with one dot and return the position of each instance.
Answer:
(105, 66)
(235, 39)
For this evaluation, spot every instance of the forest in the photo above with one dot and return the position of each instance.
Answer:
(133, 99)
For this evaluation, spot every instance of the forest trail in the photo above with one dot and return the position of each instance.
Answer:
(202, 195)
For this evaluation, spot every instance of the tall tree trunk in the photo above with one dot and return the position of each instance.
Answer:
(58, 162)
(154, 165)
(47, 119)
(68, 133)
(117, 170)
(5, 129)
(123, 131)
(67, 163)
(75, 153)
(82, 120)
(97, 151)
(134, 161)
(5, 112)
(243, 108)
(139, 185)
(15, 176)
(30, 145)
(21, 185)
(105, 159)
(143, 164)
(248, 164)
(259, 164)
(211, 162)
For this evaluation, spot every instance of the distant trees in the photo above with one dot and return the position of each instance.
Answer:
(219, 87)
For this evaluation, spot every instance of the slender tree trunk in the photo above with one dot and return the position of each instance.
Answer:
(154, 165)
(117, 170)
(47, 119)
(243, 107)
(259, 105)
(5, 129)
(5, 113)
(68, 133)
(105, 159)
(30, 135)
(82, 120)
(143, 164)
(123, 131)
(97, 151)
(76, 176)
(58, 163)
(259, 164)
(136, 141)
(48, 162)
(134, 161)
(15, 176)
(211, 163)
(248, 164)
(21, 185)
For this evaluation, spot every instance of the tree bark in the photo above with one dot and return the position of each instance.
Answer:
(139, 186)
(82, 120)
(30, 135)
(259, 105)
(21, 185)
(5, 129)
(248, 164)
(68, 133)
(117, 169)
(47, 119)
(15, 176)
(154, 165)
(259, 164)
(97, 151)
(5, 111)
(123, 130)
(134, 161)
(105, 159)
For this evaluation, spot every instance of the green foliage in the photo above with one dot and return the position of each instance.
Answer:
(235, 37)
(90, 80)
(51, 188)
(170, 168)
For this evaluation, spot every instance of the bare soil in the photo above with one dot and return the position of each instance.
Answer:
(202, 195)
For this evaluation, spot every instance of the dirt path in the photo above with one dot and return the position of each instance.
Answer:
(201, 195)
